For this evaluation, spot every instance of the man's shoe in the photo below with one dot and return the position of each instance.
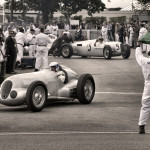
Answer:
(142, 129)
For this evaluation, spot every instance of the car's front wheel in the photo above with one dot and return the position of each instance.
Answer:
(126, 51)
(36, 96)
(107, 52)
(67, 51)
(85, 89)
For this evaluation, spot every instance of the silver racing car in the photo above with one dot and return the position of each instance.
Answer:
(34, 89)
(89, 48)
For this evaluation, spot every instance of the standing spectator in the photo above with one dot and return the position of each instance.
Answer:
(6, 33)
(11, 51)
(21, 40)
(55, 29)
(121, 33)
(104, 32)
(2, 38)
(32, 42)
(49, 28)
(126, 34)
(113, 31)
(136, 34)
(131, 32)
(142, 32)
(109, 31)
(42, 50)
(66, 27)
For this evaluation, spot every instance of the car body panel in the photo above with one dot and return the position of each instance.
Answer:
(21, 82)
(87, 48)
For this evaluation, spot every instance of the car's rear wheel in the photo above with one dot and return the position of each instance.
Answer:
(85, 89)
(67, 51)
(36, 96)
(126, 51)
(107, 52)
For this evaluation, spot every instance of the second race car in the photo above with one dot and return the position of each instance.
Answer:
(96, 49)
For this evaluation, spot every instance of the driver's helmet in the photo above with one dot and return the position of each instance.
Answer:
(54, 64)
(100, 38)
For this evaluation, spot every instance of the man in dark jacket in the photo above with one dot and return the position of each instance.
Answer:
(56, 46)
(11, 51)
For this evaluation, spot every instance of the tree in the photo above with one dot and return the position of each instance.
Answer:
(67, 8)
(145, 4)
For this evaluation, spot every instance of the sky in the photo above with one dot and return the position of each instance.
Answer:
(112, 4)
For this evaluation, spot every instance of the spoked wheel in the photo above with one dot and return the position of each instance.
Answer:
(107, 52)
(85, 89)
(67, 51)
(36, 96)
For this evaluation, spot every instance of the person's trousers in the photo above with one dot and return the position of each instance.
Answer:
(145, 109)
(41, 58)
(20, 52)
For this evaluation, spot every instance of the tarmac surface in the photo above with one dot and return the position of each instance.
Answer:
(110, 122)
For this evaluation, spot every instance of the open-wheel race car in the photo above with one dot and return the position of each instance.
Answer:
(36, 88)
(89, 48)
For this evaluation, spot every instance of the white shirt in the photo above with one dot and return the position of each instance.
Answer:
(6, 34)
(104, 30)
(31, 39)
(142, 32)
(43, 39)
(66, 27)
(61, 75)
(20, 38)
(144, 62)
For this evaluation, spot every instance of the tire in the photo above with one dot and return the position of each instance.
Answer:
(107, 52)
(126, 51)
(36, 96)
(66, 51)
(85, 89)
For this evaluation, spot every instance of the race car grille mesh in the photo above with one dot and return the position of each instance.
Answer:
(5, 89)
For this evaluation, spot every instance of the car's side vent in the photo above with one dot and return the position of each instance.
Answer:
(5, 89)
(79, 44)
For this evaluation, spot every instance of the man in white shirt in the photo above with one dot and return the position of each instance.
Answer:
(56, 68)
(42, 50)
(142, 32)
(144, 62)
(32, 42)
(21, 40)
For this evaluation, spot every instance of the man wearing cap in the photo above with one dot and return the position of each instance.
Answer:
(32, 42)
(21, 40)
(54, 66)
(11, 51)
(99, 41)
(42, 50)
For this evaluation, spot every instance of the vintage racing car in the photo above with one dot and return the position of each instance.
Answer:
(88, 48)
(34, 89)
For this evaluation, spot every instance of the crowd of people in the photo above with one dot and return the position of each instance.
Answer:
(13, 39)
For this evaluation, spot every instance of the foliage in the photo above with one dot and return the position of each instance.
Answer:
(145, 4)
(67, 8)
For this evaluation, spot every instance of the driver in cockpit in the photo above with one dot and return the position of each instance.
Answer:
(99, 41)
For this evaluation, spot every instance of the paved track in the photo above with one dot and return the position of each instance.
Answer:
(108, 123)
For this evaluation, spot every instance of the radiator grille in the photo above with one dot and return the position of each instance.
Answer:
(5, 89)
